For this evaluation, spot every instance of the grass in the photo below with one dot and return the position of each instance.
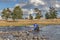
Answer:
(29, 22)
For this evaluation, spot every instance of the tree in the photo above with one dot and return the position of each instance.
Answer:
(38, 13)
(37, 16)
(30, 16)
(17, 13)
(13, 16)
(51, 14)
(47, 16)
(6, 13)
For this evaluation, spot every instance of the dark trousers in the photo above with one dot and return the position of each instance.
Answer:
(36, 29)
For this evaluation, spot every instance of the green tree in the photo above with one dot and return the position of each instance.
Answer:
(30, 16)
(6, 13)
(47, 16)
(38, 13)
(52, 13)
(13, 16)
(37, 16)
(17, 13)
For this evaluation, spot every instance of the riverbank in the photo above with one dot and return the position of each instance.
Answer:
(29, 22)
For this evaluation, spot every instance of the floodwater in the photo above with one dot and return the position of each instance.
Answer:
(52, 32)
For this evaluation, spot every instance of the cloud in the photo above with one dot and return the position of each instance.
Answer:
(31, 11)
(37, 2)
(25, 11)
(57, 5)
(17, 5)
(46, 8)
(20, 4)
(11, 9)
(0, 17)
(0, 14)
(0, 10)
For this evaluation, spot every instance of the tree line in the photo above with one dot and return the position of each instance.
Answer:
(50, 14)
(17, 13)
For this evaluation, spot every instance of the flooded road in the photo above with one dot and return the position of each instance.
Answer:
(52, 32)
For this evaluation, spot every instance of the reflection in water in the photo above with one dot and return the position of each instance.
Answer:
(50, 32)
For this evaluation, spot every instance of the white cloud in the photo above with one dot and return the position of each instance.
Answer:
(17, 5)
(0, 11)
(57, 5)
(37, 2)
(11, 9)
(31, 11)
(0, 14)
(46, 8)
(25, 11)
(0, 17)
(21, 4)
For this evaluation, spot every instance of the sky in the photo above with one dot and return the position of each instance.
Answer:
(28, 5)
